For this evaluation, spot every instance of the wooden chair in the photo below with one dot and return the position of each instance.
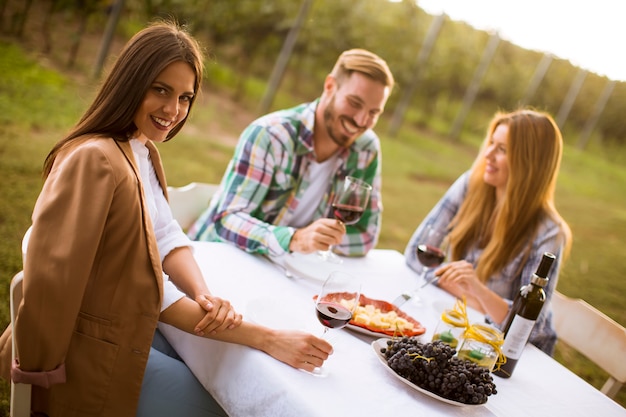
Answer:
(189, 201)
(20, 393)
(593, 334)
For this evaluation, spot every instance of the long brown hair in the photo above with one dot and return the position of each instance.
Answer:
(505, 228)
(143, 58)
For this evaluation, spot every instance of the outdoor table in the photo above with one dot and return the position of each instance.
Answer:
(247, 382)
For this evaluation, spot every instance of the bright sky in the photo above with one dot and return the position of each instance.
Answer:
(589, 33)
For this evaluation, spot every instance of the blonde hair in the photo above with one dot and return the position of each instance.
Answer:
(365, 62)
(505, 228)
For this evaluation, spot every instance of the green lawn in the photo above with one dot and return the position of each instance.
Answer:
(38, 105)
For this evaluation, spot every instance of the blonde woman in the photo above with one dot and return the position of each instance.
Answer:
(500, 218)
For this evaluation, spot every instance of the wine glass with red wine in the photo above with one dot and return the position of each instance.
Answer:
(336, 303)
(431, 252)
(348, 206)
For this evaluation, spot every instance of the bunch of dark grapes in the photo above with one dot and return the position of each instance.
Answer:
(433, 367)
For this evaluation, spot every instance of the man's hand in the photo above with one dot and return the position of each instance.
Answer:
(319, 235)
(220, 315)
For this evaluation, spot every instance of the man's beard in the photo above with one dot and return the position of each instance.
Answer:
(330, 117)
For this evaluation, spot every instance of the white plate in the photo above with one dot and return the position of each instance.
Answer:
(367, 332)
(377, 263)
(361, 330)
(309, 266)
(382, 343)
(384, 306)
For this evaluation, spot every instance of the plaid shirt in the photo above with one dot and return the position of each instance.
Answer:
(518, 272)
(267, 177)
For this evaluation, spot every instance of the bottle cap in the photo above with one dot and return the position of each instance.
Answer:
(540, 277)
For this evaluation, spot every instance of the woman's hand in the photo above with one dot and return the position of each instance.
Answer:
(295, 348)
(185, 273)
(220, 315)
(298, 349)
(459, 278)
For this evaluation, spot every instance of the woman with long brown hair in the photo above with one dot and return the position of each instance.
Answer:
(500, 217)
(107, 261)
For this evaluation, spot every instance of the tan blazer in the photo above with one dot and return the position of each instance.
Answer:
(92, 283)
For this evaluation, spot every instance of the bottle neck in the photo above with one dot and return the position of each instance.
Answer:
(539, 281)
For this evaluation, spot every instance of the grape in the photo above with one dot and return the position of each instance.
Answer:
(434, 367)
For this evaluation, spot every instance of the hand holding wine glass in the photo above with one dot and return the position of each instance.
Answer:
(336, 303)
(348, 206)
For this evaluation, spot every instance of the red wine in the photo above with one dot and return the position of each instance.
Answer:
(346, 213)
(333, 315)
(430, 256)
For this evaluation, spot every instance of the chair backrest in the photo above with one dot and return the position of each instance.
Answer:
(593, 334)
(189, 201)
(25, 243)
(20, 393)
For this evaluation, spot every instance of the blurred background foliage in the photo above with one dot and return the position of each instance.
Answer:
(247, 36)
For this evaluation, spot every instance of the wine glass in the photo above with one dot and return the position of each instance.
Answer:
(348, 206)
(336, 303)
(431, 252)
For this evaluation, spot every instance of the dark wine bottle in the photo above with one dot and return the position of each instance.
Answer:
(523, 315)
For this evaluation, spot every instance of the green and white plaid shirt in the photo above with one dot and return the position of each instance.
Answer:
(267, 177)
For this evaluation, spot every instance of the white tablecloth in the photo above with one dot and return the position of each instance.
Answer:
(249, 383)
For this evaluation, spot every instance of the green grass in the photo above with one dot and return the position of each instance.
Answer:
(38, 105)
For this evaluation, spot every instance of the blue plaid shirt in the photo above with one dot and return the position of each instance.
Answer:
(507, 282)
(267, 177)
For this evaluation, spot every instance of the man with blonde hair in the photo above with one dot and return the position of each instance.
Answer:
(275, 196)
